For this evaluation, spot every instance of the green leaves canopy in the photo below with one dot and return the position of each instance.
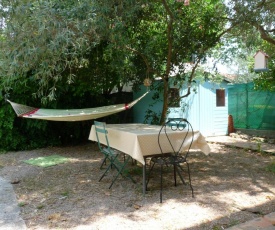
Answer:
(253, 22)
(114, 40)
(43, 39)
(252, 16)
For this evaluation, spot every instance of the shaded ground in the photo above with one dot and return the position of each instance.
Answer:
(231, 186)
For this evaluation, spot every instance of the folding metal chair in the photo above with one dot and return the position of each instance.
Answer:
(177, 146)
(110, 154)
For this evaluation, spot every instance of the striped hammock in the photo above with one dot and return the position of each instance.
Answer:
(70, 114)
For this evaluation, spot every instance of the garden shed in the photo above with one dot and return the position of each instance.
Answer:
(206, 107)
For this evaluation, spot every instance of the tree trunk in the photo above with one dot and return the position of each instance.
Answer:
(170, 21)
(165, 100)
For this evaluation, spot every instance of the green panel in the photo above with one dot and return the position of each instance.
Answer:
(251, 109)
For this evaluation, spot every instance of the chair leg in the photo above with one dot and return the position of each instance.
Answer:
(175, 175)
(180, 175)
(177, 169)
(112, 159)
(131, 178)
(134, 162)
(127, 174)
(110, 165)
(103, 162)
(120, 172)
(190, 179)
(161, 168)
(149, 174)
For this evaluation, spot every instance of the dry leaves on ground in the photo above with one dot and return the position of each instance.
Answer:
(231, 186)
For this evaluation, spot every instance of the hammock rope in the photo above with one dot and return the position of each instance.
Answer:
(70, 114)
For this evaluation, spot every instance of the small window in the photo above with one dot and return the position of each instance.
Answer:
(174, 97)
(220, 97)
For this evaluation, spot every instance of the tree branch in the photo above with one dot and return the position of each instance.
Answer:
(169, 38)
(190, 80)
(264, 34)
(148, 66)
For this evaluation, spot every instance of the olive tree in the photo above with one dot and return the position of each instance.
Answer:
(55, 41)
(252, 25)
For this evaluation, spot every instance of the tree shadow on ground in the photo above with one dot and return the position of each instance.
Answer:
(231, 185)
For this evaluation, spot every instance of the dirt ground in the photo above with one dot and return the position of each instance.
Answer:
(231, 185)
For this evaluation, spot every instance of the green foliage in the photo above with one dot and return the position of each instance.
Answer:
(17, 133)
(22, 204)
(58, 44)
(250, 18)
(266, 80)
(8, 135)
(103, 43)
(152, 117)
(251, 26)
(271, 167)
(45, 38)
(20, 133)
(64, 53)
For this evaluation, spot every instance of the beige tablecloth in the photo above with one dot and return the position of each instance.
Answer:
(140, 140)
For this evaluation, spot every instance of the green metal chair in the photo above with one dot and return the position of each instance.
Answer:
(110, 154)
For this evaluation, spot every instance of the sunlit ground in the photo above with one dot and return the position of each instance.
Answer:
(231, 186)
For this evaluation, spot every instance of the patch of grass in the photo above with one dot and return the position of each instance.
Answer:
(271, 167)
(259, 146)
(40, 206)
(65, 193)
(21, 204)
(135, 171)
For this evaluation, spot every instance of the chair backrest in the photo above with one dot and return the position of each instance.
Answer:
(176, 136)
(100, 129)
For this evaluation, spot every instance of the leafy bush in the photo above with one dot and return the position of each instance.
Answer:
(9, 135)
(22, 134)
(17, 133)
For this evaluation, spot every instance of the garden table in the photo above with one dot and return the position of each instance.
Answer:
(141, 141)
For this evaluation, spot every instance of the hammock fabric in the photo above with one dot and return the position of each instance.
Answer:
(70, 114)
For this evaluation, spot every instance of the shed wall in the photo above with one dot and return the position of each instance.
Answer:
(199, 108)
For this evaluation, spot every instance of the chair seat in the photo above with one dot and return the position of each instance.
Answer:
(168, 160)
(111, 152)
